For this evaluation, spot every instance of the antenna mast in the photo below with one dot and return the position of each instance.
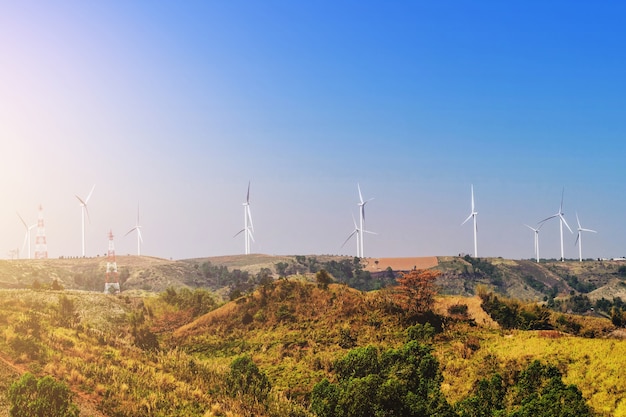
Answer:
(41, 247)
(111, 287)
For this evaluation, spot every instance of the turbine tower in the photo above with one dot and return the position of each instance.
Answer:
(473, 215)
(536, 239)
(111, 274)
(138, 229)
(248, 228)
(27, 235)
(83, 206)
(561, 221)
(356, 231)
(41, 247)
(579, 238)
(362, 230)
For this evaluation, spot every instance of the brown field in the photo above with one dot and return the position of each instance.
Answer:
(400, 264)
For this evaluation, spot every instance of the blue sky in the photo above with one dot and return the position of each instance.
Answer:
(175, 106)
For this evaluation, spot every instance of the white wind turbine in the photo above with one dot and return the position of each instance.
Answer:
(27, 235)
(83, 206)
(362, 230)
(473, 215)
(248, 227)
(561, 221)
(579, 238)
(138, 229)
(356, 231)
(536, 239)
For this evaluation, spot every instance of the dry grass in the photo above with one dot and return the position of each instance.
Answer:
(474, 309)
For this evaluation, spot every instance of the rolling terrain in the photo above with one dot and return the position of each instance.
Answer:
(520, 279)
(169, 354)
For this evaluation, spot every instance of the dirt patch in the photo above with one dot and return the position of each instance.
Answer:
(400, 264)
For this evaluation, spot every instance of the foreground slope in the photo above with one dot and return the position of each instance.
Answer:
(148, 356)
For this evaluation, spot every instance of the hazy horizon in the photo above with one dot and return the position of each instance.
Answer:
(174, 107)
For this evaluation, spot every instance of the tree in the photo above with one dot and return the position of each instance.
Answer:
(538, 391)
(245, 378)
(67, 316)
(394, 382)
(323, 278)
(44, 397)
(416, 290)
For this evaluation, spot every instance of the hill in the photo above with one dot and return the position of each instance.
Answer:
(520, 279)
(152, 355)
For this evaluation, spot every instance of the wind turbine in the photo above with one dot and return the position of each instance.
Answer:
(83, 206)
(248, 227)
(138, 229)
(473, 215)
(536, 239)
(27, 235)
(579, 238)
(362, 230)
(356, 231)
(561, 221)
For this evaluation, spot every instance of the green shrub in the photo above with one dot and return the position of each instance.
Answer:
(44, 397)
(246, 379)
(420, 332)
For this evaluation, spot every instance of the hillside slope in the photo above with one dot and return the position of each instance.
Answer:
(521, 279)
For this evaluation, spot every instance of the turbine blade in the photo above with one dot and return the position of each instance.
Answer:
(90, 193)
(130, 231)
(351, 234)
(25, 241)
(472, 186)
(87, 211)
(577, 238)
(250, 217)
(531, 228)
(360, 195)
(371, 233)
(354, 221)
(82, 203)
(562, 195)
(468, 217)
(548, 218)
(565, 221)
(139, 234)
(248, 194)
(23, 222)
(239, 232)
(250, 234)
(587, 230)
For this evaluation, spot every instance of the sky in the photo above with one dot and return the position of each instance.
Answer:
(172, 108)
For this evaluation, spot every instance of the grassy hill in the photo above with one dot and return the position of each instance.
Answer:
(143, 354)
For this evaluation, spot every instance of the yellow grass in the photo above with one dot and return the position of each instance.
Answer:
(596, 366)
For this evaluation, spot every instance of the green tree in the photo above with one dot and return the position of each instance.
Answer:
(537, 391)
(395, 382)
(45, 397)
(245, 378)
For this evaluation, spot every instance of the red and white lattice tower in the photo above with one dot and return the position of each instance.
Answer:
(41, 247)
(112, 284)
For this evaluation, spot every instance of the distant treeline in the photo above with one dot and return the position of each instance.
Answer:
(347, 271)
